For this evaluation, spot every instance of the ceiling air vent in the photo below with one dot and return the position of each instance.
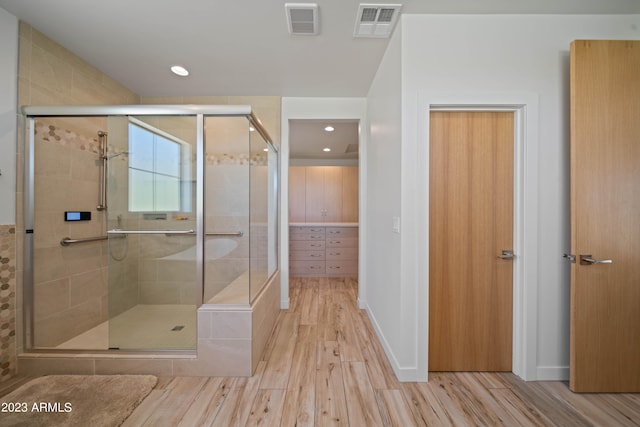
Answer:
(302, 18)
(351, 148)
(376, 20)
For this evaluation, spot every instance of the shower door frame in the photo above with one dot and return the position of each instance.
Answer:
(31, 113)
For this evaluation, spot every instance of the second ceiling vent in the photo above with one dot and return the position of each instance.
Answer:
(302, 18)
(376, 20)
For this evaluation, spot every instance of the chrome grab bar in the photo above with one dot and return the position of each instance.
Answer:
(151, 232)
(227, 233)
(173, 232)
(66, 241)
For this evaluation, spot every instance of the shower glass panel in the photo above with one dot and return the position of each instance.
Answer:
(151, 225)
(227, 210)
(69, 281)
(240, 211)
(262, 168)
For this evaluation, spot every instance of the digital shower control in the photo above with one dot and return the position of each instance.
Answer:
(77, 216)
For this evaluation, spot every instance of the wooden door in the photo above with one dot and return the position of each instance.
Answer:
(314, 194)
(350, 194)
(471, 222)
(605, 216)
(332, 193)
(297, 198)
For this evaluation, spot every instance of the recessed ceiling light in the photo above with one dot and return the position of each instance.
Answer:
(179, 70)
(252, 129)
(265, 149)
(326, 149)
(329, 129)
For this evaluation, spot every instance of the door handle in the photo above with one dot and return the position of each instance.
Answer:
(507, 254)
(588, 260)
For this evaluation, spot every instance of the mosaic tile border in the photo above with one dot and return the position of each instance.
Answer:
(53, 134)
(7, 301)
(254, 159)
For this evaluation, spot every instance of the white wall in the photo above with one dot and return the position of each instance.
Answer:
(8, 102)
(480, 57)
(390, 302)
(318, 108)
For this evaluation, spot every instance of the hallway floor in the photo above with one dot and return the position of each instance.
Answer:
(324, 366)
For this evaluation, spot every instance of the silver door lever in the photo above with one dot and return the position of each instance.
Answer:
(507, 254)
(588, 260)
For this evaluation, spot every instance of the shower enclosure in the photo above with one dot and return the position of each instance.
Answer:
(137, 216)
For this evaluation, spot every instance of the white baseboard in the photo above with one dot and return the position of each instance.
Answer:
(404, 374)
(552, 373)
(284, 304)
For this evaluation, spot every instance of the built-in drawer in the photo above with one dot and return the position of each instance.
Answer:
(306, 245)
(337, 254)
(307, 236)
(307, 267)
(341, 232)
(342, 242)
(342, 267)
(306, 255)
(306, 230)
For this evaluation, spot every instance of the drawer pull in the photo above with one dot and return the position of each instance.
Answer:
(335, 268)
(315, 256)
(335, 253)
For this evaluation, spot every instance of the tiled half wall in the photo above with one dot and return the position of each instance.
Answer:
(7, 301)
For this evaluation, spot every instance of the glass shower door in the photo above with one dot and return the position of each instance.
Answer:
(151, 223)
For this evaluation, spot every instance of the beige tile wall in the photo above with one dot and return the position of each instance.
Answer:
(70, 282)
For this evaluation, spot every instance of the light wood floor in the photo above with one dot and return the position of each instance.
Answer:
(324, 366)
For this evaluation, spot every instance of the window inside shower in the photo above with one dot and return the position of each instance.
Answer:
(159, 166)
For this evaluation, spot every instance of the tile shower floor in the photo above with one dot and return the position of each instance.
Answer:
(142, 327)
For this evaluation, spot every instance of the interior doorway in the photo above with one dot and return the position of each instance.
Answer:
(323, 198)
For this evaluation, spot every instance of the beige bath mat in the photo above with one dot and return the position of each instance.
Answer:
(75, 400)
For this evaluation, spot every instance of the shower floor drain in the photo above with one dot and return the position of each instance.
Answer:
(177, 328)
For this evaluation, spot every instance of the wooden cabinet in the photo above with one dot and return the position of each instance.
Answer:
(349, 194)
(323, 194)
(297, 191)
(318, 251)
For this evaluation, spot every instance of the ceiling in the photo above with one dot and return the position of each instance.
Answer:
(242, 47)
(308, 138)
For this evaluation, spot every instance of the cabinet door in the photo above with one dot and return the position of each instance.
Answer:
(350, 194)
(314, 194)
(297, 197)
(333, 194)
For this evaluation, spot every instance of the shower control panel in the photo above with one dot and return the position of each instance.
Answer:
(77, 216)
